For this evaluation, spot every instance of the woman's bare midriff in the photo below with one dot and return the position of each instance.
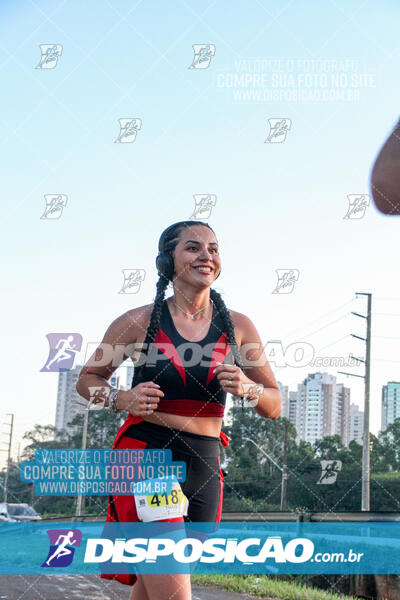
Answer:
(200, 425)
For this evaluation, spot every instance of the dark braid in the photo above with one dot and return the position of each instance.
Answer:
(170, 242)
(228, 328)
(154, 325)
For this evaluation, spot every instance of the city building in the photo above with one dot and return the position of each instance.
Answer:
(356, 423)
(292, 407)
(320, 407)
(342, 425)
(69, 402)
(284, 389)
(390, 403)
(129, 369)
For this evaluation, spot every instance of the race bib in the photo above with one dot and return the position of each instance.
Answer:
(159, 506)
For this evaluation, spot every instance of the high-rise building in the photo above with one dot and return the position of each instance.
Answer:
(300, 415)
(129, 369)
(342, 426)
(318, 406)
(356, 424)
(292, 407)
(284, 389)
(322, 408)
(390, 403)
(69, 402)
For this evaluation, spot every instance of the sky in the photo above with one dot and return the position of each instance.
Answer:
(327, 70)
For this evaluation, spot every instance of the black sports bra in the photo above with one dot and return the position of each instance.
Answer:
(184, 369)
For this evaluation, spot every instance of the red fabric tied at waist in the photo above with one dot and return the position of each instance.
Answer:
(224, 439)
(131, 420)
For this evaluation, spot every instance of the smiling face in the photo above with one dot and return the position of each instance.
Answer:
(196, 257)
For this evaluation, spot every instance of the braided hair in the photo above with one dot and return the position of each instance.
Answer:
(165, 266)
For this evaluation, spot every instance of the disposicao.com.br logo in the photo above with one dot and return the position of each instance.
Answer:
(176, 547)
(212, 551)
(235, 548)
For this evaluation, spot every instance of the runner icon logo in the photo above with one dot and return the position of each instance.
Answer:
(61, 551)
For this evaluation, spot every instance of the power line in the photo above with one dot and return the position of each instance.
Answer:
(320, 317)
(335, 342)
(386, 360)
(325, 326)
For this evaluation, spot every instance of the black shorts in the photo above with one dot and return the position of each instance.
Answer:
(204, 479)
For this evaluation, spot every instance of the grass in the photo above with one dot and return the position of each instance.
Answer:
(266, 587)
(388, 475)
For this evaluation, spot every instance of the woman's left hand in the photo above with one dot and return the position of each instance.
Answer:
(231, 379)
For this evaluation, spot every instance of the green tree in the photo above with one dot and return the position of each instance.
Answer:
(390, 445)
(43, 437)
(101, 431)
(102, 428)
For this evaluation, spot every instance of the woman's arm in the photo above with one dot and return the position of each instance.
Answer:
(116, 346)
(256, 370)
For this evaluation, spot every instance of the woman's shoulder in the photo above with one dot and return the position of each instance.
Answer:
(132, 323)
(140, 314)
(241, 323)
(238, 317)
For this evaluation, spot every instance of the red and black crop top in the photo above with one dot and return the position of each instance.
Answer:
(184, 369)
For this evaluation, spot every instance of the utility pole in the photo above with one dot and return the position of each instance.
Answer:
(365, 481)
(283, 471)
(5, 492)
(80, 503)
(365, 505)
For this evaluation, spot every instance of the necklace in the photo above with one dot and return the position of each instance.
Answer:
(189, 314)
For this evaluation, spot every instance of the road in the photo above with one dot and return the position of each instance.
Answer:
(76, 587)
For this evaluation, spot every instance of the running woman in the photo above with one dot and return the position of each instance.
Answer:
(176, 403)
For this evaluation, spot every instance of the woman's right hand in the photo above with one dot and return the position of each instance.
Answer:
(135, 400)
